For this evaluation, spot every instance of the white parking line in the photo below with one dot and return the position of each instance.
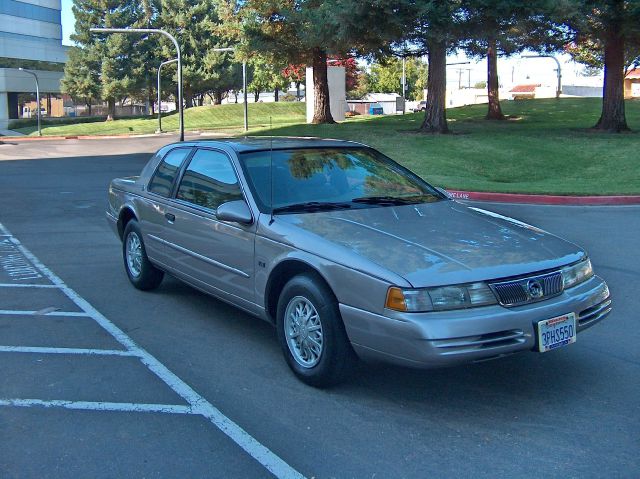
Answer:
(17, 312)
(16, 285)
(100, 406)
(88, 352)
(198, 403)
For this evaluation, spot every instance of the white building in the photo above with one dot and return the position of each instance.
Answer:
(29, 30)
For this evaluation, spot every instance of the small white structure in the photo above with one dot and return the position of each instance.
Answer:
(336, 77)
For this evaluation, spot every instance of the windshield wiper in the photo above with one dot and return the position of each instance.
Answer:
(389, 200)
(311, 206)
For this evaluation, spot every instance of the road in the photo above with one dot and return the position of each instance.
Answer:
(97, 384)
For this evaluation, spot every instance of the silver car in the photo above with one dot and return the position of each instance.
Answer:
(350, 255)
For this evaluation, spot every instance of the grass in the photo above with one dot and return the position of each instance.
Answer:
(545, 148)
(224, 118)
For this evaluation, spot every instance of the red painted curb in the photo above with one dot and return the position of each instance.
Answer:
(545, 199)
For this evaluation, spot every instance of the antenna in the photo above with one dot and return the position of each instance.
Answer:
(271, 168)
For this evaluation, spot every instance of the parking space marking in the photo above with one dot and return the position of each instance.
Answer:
(17, 285)
(198, 405)
(16, 312)
(100, 406)
(88, 352)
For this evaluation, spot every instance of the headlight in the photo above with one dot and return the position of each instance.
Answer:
(577, 273)
(440, 298)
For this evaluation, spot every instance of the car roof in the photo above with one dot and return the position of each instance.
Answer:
(261, 143)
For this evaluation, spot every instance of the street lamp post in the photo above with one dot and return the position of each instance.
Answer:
(37, 96)
(559, 87)
(244, 85)
(159, 94)
(178, 59)
(404, 82)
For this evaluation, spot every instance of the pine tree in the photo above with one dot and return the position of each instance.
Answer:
(504, 27)
(308, 31)
(612, 27)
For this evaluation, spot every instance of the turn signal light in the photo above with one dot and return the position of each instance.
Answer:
(395, 300)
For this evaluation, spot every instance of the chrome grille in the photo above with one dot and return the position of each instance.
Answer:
(529, 289)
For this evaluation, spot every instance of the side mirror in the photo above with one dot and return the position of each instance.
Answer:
(235, 211)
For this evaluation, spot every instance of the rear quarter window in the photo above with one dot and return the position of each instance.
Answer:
(162, 181)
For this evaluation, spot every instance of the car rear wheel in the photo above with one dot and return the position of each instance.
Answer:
(142, 274)
(311, 332)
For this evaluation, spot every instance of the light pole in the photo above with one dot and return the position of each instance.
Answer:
(179, 60)
(559, 87)
(404, 82)
(244, 85)
(159, 97)
(37, 96)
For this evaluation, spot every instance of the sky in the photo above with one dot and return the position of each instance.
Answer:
(68, 22)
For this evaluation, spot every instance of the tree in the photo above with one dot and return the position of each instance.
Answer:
(265, 77)
(295, 74)
(197, 25)
(386, 76)
(435, 28)
(610, 30)
(505, 27)
(81, 79)
(307, 31)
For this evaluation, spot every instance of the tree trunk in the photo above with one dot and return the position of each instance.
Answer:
(89, 106)
(217, 97)
(256, 96)
(322, 105)
(188, 97)
(49, 104)
(613, 117)
(298, 91)
(111, 109)
(275, 94)
(495, 112)
(435, 117)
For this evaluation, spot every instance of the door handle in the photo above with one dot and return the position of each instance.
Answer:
(170, 217)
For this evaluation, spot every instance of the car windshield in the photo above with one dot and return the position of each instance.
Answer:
(317, 179)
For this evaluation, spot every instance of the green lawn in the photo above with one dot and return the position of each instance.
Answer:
(224, 118)
(545, 148)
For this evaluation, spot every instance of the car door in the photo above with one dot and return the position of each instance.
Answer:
(152, 207)
(215, 255)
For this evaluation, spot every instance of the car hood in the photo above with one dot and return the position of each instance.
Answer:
(438, 243)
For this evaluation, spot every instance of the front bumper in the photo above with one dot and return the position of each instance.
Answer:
(436, 339)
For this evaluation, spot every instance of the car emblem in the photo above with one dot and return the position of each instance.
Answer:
(534, 289)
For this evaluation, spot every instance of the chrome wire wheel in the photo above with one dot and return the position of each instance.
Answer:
(134, 254)
(303, 331)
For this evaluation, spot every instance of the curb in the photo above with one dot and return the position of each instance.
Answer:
(545, 199)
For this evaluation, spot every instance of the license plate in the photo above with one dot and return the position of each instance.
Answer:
(556, 332)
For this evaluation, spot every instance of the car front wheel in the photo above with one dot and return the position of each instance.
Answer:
(311, 332)
(142, 274)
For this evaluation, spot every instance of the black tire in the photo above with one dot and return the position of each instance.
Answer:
(142, 274)
(336, 358)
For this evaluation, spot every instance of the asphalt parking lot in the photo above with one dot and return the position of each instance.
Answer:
(98, 379)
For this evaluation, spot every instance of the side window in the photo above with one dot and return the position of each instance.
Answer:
(161, 182)
(209, 180)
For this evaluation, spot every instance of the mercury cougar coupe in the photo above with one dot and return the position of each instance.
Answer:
(350, 255)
